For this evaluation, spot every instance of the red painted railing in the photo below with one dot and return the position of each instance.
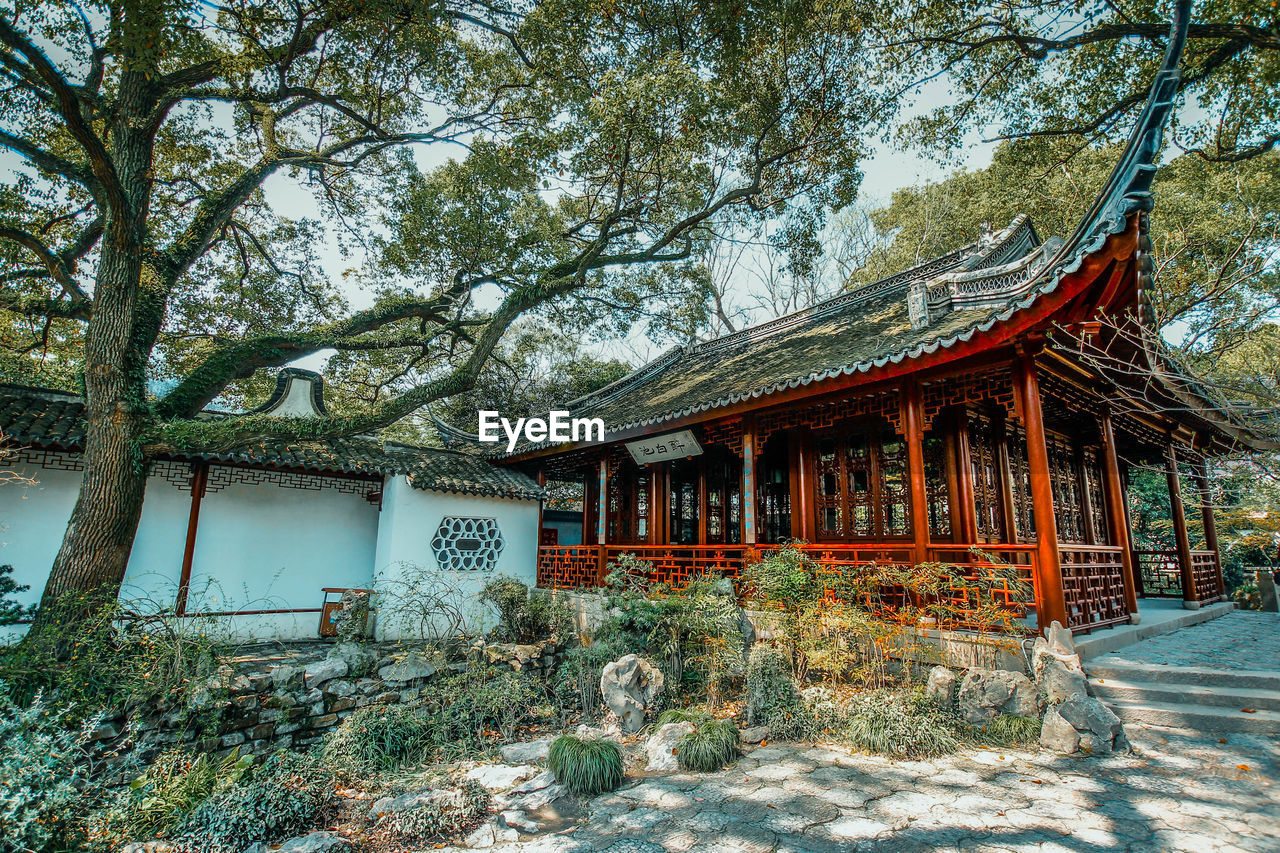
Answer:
(578, 566)
(1206, 572)
(1093, 585)
(1161, 577)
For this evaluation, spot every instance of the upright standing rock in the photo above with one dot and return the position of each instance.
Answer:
(630, 686)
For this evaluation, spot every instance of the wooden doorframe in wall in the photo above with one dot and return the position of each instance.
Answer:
(199, 480)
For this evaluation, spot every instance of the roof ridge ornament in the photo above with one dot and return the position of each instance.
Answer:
(298, 394)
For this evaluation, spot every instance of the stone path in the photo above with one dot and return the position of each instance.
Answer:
(1178, 792)
(1242, 639)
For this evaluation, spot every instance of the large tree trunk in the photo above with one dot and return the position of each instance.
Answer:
(127, 313)
(95, 548)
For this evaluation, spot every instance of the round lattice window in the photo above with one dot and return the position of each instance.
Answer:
(467, 544)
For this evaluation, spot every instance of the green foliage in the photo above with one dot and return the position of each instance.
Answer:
(576, 684)
(694, 631)
(380, 737)
(525, 617)
(277, 800)
(43, 767)
(91, 654)
(859, 622)
(443, 816)
(586, 766)
(467, 711)
(682, 715)
(900, 724)
(1007, 730)
(709, 747)
(155, 803)
(12, 612)
(772, 694)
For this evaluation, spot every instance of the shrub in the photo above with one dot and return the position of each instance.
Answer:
(772, 695)
(42, 768)
(11, 612)
(443, 816)
(694, 632)
(156, 802)
(710, 746)
(93, 654)
(682, 715)
(380, 737)
(585, 766)
(467, 710)
(277, 800)
(524, 618)
(1008, 730)
(904, 725)
(576, 684)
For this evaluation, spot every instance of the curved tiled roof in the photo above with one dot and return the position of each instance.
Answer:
(43, 418)
(978, 288)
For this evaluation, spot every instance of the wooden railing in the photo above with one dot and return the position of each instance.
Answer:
(1161, 577)
(1093, 585)
(579, 566)
(1206, 571)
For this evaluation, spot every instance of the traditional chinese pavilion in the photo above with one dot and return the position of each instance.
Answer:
(994, 398)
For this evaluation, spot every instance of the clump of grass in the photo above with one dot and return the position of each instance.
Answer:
(904, 726)
(1008, 730)
(709, 747)
(682, 715)
(585, 766)
(379, 738)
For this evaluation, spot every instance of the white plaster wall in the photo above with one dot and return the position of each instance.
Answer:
(410, 518)
(259, 547)
(267, 547)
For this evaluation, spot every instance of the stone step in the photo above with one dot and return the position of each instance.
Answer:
(1202, 718)
(1188, 675)
(1142, 692)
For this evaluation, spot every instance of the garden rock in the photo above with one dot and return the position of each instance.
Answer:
(1057, 735)
(527, 751)
(409, 802)
(1087, 714)
(315, 842)
(941, 687)
(360, 660)
(324, 670)
(410, 668)
(987, 693)
(286, 677)
(661, 748)
(629, 686)
(500, 777)
(1056, 666)
(755, 734)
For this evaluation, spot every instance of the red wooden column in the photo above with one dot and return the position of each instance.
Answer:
(542, 501)
(1117, 518)
(1201, 472)
(199, 480)
(966, 522)
(1182, 539)
(1052, 606)
(602, 518)
(912, 409)
(748, 481)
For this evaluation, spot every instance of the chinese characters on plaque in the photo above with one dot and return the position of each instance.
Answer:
(660, 448)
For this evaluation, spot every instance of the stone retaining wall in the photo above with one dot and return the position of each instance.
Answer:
(290, 700)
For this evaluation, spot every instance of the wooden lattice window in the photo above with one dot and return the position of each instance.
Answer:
(1068, 508)
(773, 492)
(936, 487)
(985, 465)
(724, 498)
(1093, 483)
(861, 484)
(629, 505)
(684, 503)
(1024, 516)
